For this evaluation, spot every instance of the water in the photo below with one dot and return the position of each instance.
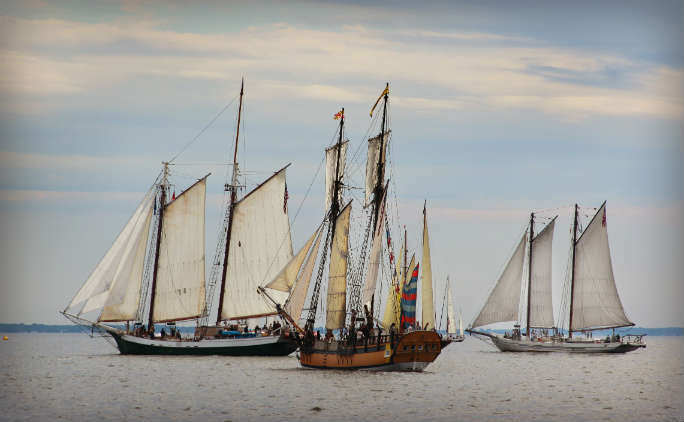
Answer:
(74, 377)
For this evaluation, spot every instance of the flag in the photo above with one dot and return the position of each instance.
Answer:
(385, 92)
(339, 115)
(285, 198)
(173, 197)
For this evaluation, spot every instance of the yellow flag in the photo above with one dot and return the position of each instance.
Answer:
(385, 92)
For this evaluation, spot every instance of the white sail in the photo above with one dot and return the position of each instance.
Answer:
(287, 276)
(391, 315)
(118, 266)
(541, 306)
(428, 312)
(331, 167)
(596, 303)
(502, 304)
(451, 321)
(260, 245)
(374, 259)
(179, 291)
(460, 323)
(295, 302)
(372, 163)
(337, 272)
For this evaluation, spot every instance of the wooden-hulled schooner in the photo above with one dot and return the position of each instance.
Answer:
(593, 301)
(353, 337)
(154, 273)
(452, 336)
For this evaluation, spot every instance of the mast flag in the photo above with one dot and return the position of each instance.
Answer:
(384, 92)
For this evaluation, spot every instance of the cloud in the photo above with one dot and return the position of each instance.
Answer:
(51, 56)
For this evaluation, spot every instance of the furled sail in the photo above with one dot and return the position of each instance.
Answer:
(337, 273)
(372, 162)
(541, 306)
(596, 303)
(179, 291)
(391, 315)
(503, 301)
(331, 167)
(260, 246)
(428, 312)
(287, 276)
(121, 268)
(451, 320)
(375, 258)
(295, 302)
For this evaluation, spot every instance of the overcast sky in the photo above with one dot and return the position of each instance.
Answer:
(497, 109)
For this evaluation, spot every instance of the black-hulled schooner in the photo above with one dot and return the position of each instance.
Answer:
(592, 301)
(154, 273)
(354, 337)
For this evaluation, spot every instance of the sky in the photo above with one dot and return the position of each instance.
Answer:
(497, 109)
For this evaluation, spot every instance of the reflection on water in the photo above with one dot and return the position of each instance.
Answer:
(73, 377)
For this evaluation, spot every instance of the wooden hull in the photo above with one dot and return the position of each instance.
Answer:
(510, 345)
(408, 352)
(254, 346)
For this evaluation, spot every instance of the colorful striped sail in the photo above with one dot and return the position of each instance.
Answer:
(408, 300)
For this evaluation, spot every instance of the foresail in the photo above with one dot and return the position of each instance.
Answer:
(375, 258)
(541, 306)
(331, 167)
(596, 303)
(260, 246)
(451, 320)
(372, 163)
(295, 302)
(117, 267)
(180, 291)
(428, 311)
(287, 276)
(337, 273)
(503, 301)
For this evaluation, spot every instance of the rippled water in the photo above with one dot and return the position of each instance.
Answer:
(74, 377)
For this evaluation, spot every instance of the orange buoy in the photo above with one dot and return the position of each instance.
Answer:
(5, 338)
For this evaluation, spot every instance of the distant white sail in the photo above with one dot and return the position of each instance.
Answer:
(460, 323)
(337, 273)
(541, 306)
(332, 165)
(375, 259)
(180, 291)
(428, 311)
(295, 302)
(451, 321)
(288, 275)
(118, 266)
(372, 163)
(596, 303)
(502, 304)
(260, 246)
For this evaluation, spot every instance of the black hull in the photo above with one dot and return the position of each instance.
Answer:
(282, 347)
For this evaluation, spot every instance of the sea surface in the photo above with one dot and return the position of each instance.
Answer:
(74, 377)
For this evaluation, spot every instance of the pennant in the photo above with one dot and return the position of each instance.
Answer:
(385, 92)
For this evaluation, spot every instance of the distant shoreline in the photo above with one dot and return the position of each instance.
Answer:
(70, 328)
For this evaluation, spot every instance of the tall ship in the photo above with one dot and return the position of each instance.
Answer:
(591, 301)
(153, 276)
(354, 336)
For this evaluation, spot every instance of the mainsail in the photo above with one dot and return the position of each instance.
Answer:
(260, 246)
(115, 282)
(596, 303)
(541, 306)
(333, 166)
(428, 312)
(337, 273)
(180, 291)
(502, 304)
(372, 162)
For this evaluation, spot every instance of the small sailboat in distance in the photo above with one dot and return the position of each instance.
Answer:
(451, 334)
(593, 300)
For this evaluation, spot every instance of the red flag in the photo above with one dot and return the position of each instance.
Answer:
(173, 197)
(338, 115)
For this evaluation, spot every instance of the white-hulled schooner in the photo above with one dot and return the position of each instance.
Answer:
(154, 273)
(353, 337)
(594, 303)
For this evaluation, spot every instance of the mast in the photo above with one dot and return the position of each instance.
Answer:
(162, 202)
(529, 274)
(335, 205)
(381, 164)
(572, 269)
(233, 198)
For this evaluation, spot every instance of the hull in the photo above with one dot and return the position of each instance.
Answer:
(510, 345)
(411, 352)
(255, 346)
